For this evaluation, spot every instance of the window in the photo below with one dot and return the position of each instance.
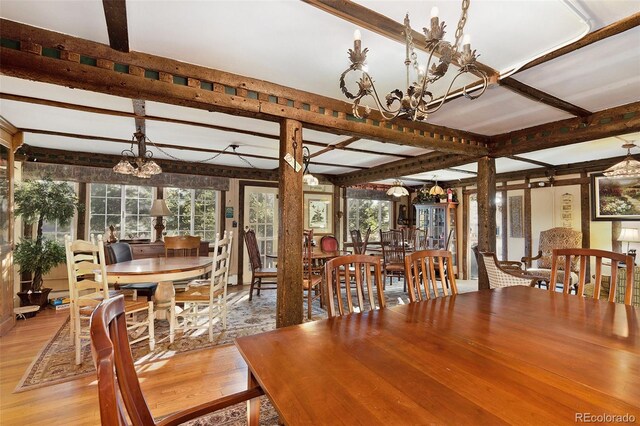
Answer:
(372, 214)
(126, 207)
(53, 230)
(194, 212)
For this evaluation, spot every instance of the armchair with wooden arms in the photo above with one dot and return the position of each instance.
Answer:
(555, 238)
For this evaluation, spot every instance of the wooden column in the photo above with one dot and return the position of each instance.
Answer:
(527, 220)
(290, 213)
(81, 231)
(465, 232)
(486, 211)
(505, 223)
(585, 216)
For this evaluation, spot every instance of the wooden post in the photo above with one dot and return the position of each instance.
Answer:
(465, 232)
(289, 293)
(486, 211)
(527, 220)
(585, 216)
(505, 223)
(616, 229)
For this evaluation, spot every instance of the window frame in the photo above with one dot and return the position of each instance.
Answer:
(192, 213)
(374, 236)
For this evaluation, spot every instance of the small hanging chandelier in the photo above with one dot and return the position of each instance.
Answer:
(436, 189)
(140, 165)
(627, 167)
(398, 189)
(416, 102)
(308, 178)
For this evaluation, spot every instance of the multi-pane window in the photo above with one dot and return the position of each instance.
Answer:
(193, 212)
(53, 230)
(126, 207)
(366, 214)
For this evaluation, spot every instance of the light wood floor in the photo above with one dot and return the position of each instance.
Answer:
(170, 385)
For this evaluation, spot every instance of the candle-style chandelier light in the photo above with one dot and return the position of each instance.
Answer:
(418, 101)
(140, 165)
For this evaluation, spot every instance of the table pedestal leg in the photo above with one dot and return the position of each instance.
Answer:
(164, 293)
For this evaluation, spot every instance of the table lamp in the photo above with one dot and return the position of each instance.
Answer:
(630, 235)
(159, 209)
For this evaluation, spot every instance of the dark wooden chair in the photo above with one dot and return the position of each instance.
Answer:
(583, 256)
(312, 280)
(393, 254)
(329, 243)
(420, 239)
(184, 245)
(121, 252)
(119, 390)
(427, 267)
(258, 273)
(357, 273)
(360, 243)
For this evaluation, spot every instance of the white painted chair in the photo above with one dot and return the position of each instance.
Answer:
(88, 287)
(204, 300)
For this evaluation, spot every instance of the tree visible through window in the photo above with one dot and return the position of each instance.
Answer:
(53, 230)
(366, 214)
(194, 212)
(126, 207)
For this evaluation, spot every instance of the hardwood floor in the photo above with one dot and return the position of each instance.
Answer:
(169, 385)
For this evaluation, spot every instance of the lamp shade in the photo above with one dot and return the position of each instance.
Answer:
(159, 208)
(398, 190)
(629, 235)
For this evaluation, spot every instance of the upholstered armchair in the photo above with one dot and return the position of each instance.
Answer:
(620, 288)
(554, 238)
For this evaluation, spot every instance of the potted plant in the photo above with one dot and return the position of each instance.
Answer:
(38, 201)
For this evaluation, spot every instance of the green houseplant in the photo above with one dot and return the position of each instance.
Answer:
(40, 201)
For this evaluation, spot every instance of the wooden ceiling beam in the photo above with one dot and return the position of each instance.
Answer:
(527, 160)
(56, 156)
(593, 37)
(543, 97)
(42, 55)
(379, 24)
(602, 124)
(115, 13)
(339, 145)
(395, 169)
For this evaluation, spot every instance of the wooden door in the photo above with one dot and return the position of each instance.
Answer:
(261, 214)
(7, 318)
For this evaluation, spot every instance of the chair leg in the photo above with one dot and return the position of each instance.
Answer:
(211, 319)
(309, 299)
(76, 339)
(172, 320)
(253, 281)
(151, 327)
(259, 285)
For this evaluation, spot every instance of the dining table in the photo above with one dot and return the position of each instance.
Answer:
(516, 355)
(164, 271)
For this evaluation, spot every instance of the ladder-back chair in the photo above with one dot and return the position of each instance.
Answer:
(427, 267)
(258, 273)
(119, 393)
(202, 296)
(563, 258)
(311, 280)
(184, 245)
(357, 273)
(393, 254)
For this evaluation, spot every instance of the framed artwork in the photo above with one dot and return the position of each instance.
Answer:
(615, 198)
(516, 212)
(318, 213)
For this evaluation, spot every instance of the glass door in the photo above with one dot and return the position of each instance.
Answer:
(261, 215)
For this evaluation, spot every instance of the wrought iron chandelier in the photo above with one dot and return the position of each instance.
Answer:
(418, 101)
(627, 167)
(139, 165)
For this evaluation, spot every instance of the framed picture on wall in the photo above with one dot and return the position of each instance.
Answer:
(615, 198)
(318, 213)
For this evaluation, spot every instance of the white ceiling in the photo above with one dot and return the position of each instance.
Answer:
(296, 45)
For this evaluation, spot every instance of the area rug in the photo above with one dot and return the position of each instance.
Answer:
(55, 362)
(236, 415)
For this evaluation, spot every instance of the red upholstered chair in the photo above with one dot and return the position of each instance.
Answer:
(329, 243)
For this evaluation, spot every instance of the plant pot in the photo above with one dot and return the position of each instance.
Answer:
(38, 298)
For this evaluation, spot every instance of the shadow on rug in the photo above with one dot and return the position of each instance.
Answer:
(55, 362)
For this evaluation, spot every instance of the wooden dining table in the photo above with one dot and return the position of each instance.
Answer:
(515, 355)
(163, 270)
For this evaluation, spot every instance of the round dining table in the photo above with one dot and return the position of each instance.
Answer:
(163, 270)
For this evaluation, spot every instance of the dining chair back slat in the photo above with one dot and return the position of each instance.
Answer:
(583, 257)
(393, 253)
(184, 245)
(360, 243)
(357, 273)
(424, 269)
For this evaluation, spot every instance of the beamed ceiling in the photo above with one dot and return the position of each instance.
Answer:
(78, 78)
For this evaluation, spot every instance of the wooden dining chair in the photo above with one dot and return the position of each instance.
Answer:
(329, 243)
(258, 273)
(356, 273)
(420, 239)
(562, 259)
(311, 278)
(428, 267)
(204, 300)
(87, 274)
(119, 391)
(393, 254)
(183, 245)
(359, 242)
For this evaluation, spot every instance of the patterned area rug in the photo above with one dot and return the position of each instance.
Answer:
(55, 362)
(236, 415)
